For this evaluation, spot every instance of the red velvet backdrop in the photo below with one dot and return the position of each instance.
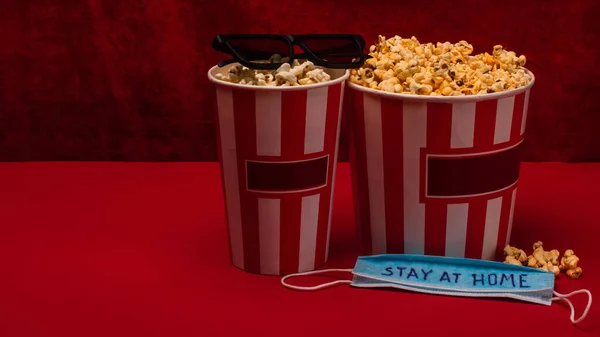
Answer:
(126, 79)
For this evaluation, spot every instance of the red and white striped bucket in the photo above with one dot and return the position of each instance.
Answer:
(278, 152)
(436, 175)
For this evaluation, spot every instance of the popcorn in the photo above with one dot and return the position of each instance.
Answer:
(515, 253)
(513, 260)
(442, 69)
(569, 260)
(545, 260)
(574, 273)
(553, 268)
(285, 76)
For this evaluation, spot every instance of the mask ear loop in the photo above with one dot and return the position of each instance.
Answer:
(317, 287)
(565, 298)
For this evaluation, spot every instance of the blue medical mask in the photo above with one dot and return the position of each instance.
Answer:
(451, 276)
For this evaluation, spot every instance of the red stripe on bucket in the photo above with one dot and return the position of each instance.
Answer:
(360, 170)
(436, 212)
(485, 124)
(333, 111)
(291, 213)
(293, 119)
(504, 216)
(439, 131)
(245, 131)
(475, 228)
(439, 127)
(331, 126)
(393, 169)
(515, 131)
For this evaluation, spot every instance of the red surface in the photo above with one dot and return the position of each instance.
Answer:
(91, 249)
(126, 79)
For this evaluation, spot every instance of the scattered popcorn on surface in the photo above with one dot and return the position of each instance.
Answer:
(285, 76)
(443, 69)
(569, 260)
(553, 268)
(513, 260)
(517, 254)
(545, 260)
(574, 273)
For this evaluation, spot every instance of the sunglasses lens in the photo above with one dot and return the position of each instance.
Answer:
(260, 50)
(335, 50)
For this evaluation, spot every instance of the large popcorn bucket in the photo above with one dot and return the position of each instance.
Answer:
(436, 175)
(278, 150)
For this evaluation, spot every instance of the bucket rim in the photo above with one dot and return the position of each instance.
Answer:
(445, 99)
(340, 79)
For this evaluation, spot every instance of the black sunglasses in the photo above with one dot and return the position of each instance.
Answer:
(269, 51)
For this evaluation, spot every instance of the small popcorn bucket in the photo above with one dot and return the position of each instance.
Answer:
(278, 150)
(436, 175)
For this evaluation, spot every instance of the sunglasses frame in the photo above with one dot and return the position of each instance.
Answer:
(221, 44)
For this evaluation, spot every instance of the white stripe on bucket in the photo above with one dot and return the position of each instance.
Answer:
(511, 216)
(335, 159)
(269, 234)
(525, 108)
(374, 147)
(309, 222)
(414, 120)
(268, 123)
(463, 125)
(492, 224)
(504, 113)
(456, 229)
(230, 175)
(316, 116)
